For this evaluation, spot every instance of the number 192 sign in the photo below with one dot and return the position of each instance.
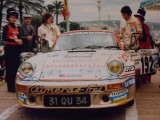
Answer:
(149, 64)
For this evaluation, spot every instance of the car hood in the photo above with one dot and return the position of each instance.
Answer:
(74, 65)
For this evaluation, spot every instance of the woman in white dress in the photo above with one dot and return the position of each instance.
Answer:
(48, 32)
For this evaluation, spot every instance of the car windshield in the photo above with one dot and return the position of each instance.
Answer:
(86, 40)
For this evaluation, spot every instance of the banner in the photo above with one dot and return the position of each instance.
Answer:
(155, 7)
(147, 3)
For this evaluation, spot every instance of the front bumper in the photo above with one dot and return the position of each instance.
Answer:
(32, 95)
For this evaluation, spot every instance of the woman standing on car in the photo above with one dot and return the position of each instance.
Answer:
(12, 48)
(48, 31)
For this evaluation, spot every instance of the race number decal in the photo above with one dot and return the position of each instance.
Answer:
(147, 64)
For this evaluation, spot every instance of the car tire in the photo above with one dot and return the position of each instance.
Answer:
(131, 103)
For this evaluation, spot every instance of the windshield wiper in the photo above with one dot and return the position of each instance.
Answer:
(88, 47)
(94, 46)
(55, 50)
(111, 47)
(81, 47)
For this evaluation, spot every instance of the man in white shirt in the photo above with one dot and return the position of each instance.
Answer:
(128, 26)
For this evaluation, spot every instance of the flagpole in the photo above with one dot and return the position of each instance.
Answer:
(68, 24)
(66, 14)
(67, 21)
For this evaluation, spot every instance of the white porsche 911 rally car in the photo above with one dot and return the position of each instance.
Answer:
(85, 69)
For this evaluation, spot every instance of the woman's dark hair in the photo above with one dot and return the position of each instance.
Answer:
(126, 9)
(11, 12)
(45, 17)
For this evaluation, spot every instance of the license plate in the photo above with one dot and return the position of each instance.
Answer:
(67, 100)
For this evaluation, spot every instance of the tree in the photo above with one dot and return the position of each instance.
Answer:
(56, 8)
(62, 26)
(73, 26)
(50, 8)
(83, 28)
(36, 21)
(26, 5)
(104, 28)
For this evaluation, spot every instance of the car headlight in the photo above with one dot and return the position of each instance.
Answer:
(27, 69)
(115, 67)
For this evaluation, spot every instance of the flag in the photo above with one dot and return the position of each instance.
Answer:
(66, 13)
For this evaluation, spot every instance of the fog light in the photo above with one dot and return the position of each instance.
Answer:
(105, 98)
(115, 86)
(32, 99)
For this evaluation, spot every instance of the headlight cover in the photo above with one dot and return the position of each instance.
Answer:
(27, 69)
(115, 67)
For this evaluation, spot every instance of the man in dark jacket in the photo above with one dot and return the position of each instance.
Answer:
(28, 34)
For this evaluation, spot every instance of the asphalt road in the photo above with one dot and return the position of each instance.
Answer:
(146, 107)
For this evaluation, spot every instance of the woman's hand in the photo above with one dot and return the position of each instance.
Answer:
(19, 41)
